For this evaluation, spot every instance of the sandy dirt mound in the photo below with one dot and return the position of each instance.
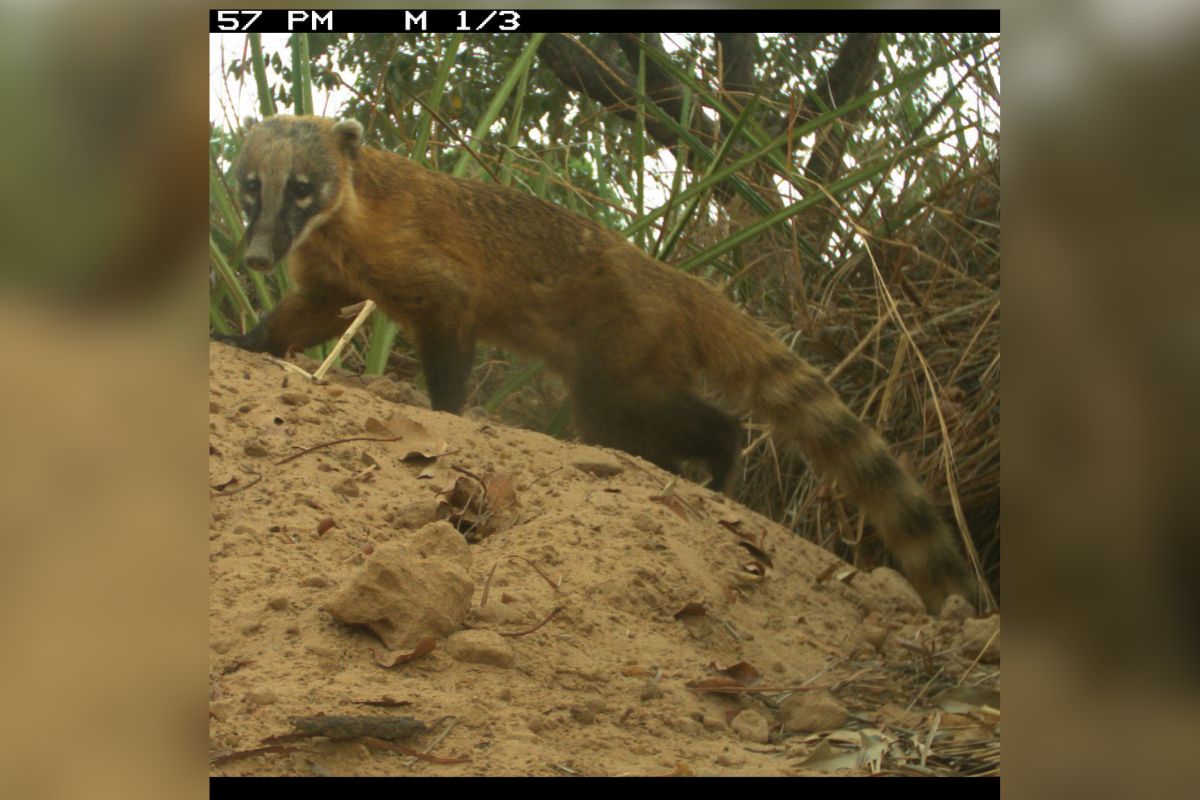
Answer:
(610, 618)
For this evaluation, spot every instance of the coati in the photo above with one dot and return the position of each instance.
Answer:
(458, 261)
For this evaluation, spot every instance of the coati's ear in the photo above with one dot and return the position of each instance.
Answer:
(248, 122)
(348, 134)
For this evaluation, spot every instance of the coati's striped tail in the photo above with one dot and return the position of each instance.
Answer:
(806, 415)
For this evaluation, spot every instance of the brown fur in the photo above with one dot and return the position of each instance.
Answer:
(458, 261)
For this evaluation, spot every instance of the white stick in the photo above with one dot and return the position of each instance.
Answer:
(367, 308)
(290, 367)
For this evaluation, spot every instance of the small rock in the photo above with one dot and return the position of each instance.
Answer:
(481, 647)
(687, 726)
(752, 726)
(645, 523)
(583, 715)
(651, 691)
(874, 636)
(255, 699)
(977, 635)
(294, 398)
(315, 582)
(807, 712)
(222, 710)
(884, 587)
(256, 449)
(347, 488)
(956, 607)
(278, 603)
(413, 515)
(412, 589)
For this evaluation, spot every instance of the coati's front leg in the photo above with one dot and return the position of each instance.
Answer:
(446, 354)
(303, 318)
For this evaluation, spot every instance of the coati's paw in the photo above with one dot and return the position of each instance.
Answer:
(226, 338)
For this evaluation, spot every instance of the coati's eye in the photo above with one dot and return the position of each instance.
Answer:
(301, 189)
(253, 185)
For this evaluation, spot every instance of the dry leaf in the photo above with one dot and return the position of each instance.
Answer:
(828, 759)
(434, 472)
(412, 439)
(827, 573)
(691, 609)
(758, 553)
(478, 507)
(733, 522)
(672, 502)
(498, 488)
(965, 699)
(220, 487)
(395, 657)
(743, 672)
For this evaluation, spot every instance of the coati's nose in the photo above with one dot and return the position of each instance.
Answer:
(258, 261)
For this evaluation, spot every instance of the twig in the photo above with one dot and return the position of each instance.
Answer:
(287, 365)
(367, 307)
(380, 744)
(535, 480)
(982, 650)
(256, 751)
(553, 614)
(308, 450)
(487, 585)
(221, 493)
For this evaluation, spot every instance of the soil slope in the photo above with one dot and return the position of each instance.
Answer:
(612, 588)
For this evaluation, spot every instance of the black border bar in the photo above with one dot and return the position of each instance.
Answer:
(601, 21)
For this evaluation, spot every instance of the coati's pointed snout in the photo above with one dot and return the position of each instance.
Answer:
(261, 261)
